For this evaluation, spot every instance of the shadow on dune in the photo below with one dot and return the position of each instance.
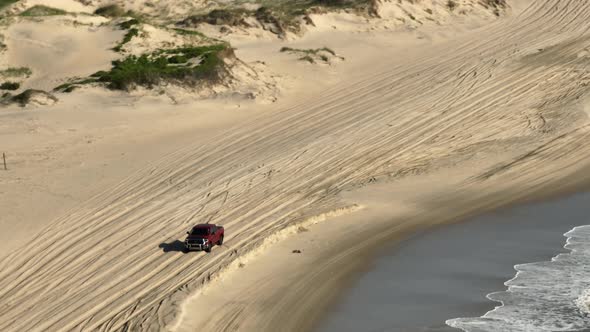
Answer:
(175, 245)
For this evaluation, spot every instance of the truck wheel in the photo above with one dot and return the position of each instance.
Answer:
(220, 242)
(208, 248)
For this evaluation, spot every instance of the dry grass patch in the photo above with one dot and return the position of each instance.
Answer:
(313, 55)
(40, 10)
(16, 72)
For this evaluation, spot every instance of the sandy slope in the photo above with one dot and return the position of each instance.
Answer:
(60, 156)
(59, 48)
(278, 290)
(507, 100)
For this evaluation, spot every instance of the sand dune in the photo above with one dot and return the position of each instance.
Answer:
(509, 100)
(57, 49)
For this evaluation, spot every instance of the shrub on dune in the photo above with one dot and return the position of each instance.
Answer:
(9, 86)
(40, 10)
(149, 70)
(6, 3)
(110, 11)
(189, 65)
(16, 72)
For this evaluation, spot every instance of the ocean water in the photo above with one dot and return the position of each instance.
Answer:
(543, 296)
(516, 256)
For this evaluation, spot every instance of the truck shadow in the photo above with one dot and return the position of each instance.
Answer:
(175, 246)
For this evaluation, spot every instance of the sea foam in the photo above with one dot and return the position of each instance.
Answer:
(543, 296)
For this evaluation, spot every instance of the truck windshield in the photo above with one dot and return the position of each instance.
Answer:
(200, 231)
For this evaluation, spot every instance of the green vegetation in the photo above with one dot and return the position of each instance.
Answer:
(230, 16)
(6, 3)
(66, 87)
(40, 10)
(9, 86)
(307, 58)
(185, 32)
(22, 99)
(110, 11)
(148, 70)
(129, 24)
(71, 86)
(237, 17)
(25, 97)
(308, 51)
(127, 38)
(339, 3)
(115, 10)
(132, 32)
(310, 55)
(301, 7)
(280, 16)
(283, 21)
(199, 34)
(495, 3)
(189, 65)
(16, 72)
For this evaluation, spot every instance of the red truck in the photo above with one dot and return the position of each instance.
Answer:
(204, 237)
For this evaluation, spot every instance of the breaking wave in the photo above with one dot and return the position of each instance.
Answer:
(543, 296)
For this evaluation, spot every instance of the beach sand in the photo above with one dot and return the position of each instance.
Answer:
(318, 288)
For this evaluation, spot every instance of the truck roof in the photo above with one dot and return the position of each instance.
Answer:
(205, 226)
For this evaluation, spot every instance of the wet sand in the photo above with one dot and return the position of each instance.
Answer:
(448, 271)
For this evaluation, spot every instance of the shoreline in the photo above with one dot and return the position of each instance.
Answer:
(450, 272)
(567, 186)
(341, 266)
(539, 195)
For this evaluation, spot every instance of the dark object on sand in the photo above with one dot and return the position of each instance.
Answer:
(204, 237)
(29, 97)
